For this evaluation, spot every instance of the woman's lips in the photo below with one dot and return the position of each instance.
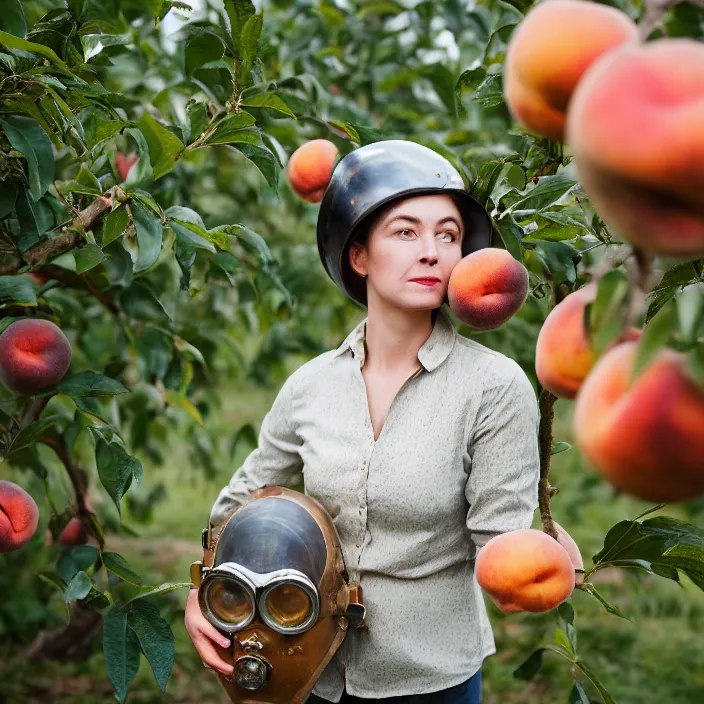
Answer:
(425, 282)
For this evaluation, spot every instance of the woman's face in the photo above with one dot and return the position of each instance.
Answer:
(419, 236)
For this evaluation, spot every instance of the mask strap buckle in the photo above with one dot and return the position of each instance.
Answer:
(350, 602)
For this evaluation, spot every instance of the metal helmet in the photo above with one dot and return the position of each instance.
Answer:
(374, 175)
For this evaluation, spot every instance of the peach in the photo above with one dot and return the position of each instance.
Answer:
(74, 533)
(567, 542)
(525, 570)
(563, 355)
(487, 287)
(634, 125)
(19, 516)
(644, 437)
(549, 52)
(310, 169)
(34, 355)
(124, 163)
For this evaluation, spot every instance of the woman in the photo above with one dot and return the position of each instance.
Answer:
(421, 444)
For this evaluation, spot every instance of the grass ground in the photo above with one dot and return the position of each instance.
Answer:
(658, 658)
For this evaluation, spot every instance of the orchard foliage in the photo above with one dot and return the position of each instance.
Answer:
(144, 210)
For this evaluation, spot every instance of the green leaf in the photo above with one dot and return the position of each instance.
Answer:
(119, 566)
(141, 174)
(188, 236)
(114, 225)
(249, 48)
(25, 135)
(486, 179)
(78, 587)
(198, 119)
(161, 589)
(490, 92)
(121, 650)
(251, 238)
(28, 435)
(116, 467)
(578, 695)
(511, 235)
(87, 257)
(150, 233)
(12, 19)
(229, 127)
(165, 148)
(656, 336)
(560, 638)
(265, 160)
(18, 290)
(606, 315)
(238, 11)
(531, 666)
(155, 638)
(53, 579)
(690, 310)
(35, 218)
(561, 259)
(558, 447)
(611, 608)
(78, 558)
(271, 101)
(605, 696)
(93, 44)
(20, 44)
(88, 383)
(547, 192)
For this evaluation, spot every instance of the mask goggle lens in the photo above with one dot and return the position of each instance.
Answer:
(230, 601)
(288, 603)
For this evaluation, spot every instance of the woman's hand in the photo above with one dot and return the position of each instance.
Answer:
(208, 640)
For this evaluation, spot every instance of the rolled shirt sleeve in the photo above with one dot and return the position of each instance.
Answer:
(502, 487)
(276, 461)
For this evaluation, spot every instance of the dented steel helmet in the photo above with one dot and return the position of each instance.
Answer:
(274, 578)
(374, 175)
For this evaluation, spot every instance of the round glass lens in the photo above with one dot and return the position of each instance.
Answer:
(288, 605)
(229, 601)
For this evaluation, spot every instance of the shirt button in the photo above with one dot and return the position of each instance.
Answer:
(358, 544)
(361, 510)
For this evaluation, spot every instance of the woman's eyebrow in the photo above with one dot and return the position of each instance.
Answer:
(417, 221)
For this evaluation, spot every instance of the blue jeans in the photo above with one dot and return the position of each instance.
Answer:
(469, 692)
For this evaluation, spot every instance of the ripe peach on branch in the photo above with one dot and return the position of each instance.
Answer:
(34, 355)
(635, 127)
(19, 516)
(645, 437)
(548, 54)
(487, 287)
(563, 354)
(525, 570)
(310, 169)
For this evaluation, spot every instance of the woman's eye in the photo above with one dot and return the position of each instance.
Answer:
(452, 234)
(402, 231)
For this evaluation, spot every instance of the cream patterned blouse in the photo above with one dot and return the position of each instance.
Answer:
(456, 463)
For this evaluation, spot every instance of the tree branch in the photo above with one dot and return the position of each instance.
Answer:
(76, 474)
(33, 410)
(545, 491)
(70, 236)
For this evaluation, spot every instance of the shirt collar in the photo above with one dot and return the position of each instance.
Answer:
(432, 353)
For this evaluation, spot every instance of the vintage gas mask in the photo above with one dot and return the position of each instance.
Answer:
(274, 579)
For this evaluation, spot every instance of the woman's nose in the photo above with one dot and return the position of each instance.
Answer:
(429, 248)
